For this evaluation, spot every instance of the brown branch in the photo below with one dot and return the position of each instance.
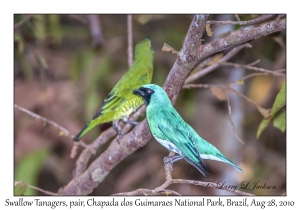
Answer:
(41, 190)
(263, 111)
(227, 88)
(187, 57)
(214, 66)
(248, 22)
(105, 136)
(237, 17)
(79, 18)
(210, 185)
(26, 18)
(149, 192)
(253, 75)
(129, 34)
(275, 73)
(241, 37)
(63, 131)
(230, 118)
(36, 188)
(169, 181)
(95, 29)
(191, 53)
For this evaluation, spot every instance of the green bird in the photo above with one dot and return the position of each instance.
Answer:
(171, 131)
(121, 102)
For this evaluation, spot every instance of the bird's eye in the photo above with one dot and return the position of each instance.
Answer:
(152, 45)
(149, 91)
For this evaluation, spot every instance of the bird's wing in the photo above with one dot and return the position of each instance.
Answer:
(113, 101)
(171, 127)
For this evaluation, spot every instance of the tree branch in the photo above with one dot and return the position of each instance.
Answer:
(26, 18)
(275, 73)
(214, 66)
(149, 192)
(63, 131)
(248, 22)
(129, 34)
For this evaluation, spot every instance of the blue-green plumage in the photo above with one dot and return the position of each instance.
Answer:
(170, 130)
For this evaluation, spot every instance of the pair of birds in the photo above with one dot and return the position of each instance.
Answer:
(166, 125)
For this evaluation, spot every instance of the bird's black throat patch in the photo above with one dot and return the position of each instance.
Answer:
(145, 93)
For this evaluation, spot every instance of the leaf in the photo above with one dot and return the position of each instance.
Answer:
(280, 100)
(280, 120)
(264, 123)
(168, 48)
(19, 188)
(29, 168)
(219, 93)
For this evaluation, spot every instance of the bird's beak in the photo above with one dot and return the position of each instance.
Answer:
(139, 92)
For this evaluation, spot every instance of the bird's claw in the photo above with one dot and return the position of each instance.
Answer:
(120, 136)
(168, 161)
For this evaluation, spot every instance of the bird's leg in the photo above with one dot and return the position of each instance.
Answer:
(115, 125)
(170, 160)
(130, 122)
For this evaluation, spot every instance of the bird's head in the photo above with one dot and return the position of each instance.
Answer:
(144, 47)
(153, 94)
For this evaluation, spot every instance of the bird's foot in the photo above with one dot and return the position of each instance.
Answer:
(131, 122)
(120, 134)
(168, 161)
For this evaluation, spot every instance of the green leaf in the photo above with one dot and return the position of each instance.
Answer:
(20, 188)
(264, 123)
(280, 100)
(29, 168)
(280, 120)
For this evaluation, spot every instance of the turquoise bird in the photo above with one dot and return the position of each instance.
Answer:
(171, 131)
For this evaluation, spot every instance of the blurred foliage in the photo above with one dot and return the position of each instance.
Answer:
(276, 113)
(20, 188)
(28, 169)
(59, 75)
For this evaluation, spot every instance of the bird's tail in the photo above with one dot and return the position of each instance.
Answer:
(199, 165)
(226, 160)
(83, 131)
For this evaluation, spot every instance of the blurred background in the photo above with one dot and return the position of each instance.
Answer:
(65, 65)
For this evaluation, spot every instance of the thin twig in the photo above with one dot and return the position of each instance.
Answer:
(210, 185)
(159, 190)
(227, 88)
(275, 73)
(263, 111)
(237, 17)
(41, 190)
(230, 118)
(27, 17)
(95, 29)
(63, 132)
(129, 34)
(212, 67)
(148, 192)
(79, 18)
(248, 22)
(254, 63)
